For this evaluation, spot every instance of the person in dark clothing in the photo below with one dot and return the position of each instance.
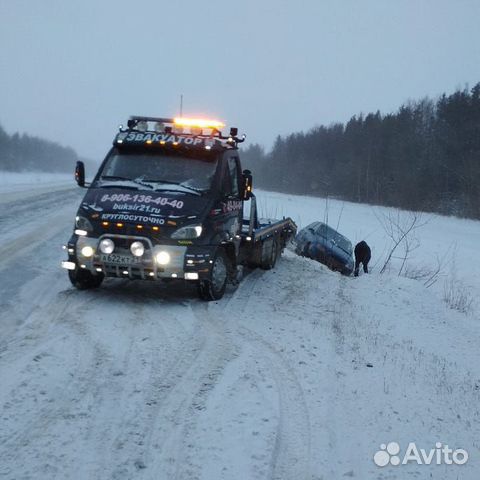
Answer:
(362, 256)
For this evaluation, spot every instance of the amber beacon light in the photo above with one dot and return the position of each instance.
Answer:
(198, 122)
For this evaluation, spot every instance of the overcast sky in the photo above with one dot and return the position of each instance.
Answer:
(71, 71)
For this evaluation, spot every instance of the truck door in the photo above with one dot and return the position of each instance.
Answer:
(228, 210)
(233, 201)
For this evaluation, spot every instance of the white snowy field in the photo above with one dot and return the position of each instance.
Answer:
(18, 185)
(18, 179)
(299, 373)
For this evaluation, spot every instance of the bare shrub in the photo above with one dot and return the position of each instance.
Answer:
(457, 297)
(400, 227)
(429, 274)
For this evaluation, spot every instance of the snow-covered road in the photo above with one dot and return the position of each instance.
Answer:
(299, 373)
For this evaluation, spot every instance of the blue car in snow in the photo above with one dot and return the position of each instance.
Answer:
(324, 244)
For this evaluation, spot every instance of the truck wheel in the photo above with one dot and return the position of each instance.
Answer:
(84, 280)
(271, 260)
(214, 288)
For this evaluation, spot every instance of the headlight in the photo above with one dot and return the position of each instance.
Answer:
(188, 232)
(83, 223)
(107, 246)
(137, 249)
(162, 258)
(87, 251)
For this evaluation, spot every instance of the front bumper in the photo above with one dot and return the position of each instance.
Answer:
(186, 262)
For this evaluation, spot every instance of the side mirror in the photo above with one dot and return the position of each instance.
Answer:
(247, 184)
(80, 174)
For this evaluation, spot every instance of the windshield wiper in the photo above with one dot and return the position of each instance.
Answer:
(114, 177)
(180, 184)
(125, 179)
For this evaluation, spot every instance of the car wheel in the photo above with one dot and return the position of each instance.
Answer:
(214, 288)
(271, 260)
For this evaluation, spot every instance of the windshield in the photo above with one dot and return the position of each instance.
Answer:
(159, 170)
(330, 234)
(344, 244)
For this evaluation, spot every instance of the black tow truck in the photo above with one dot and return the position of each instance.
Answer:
(168, 204)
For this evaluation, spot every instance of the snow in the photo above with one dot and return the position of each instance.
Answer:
(20, 179)
(451, 239)
(299, 373)
(22, 185)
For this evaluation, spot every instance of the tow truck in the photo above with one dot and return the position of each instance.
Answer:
(168, 204)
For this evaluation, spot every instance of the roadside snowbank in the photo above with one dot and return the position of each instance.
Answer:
(453, 240)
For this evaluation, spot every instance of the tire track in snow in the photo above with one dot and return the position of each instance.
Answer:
(141, 433)
(25, 240)
(291, 452)
(140, 355)
(116, 394)
(121, 368)
(27, 209)
(178, 411)
(34, 408)
(26, 224)
(29, 336)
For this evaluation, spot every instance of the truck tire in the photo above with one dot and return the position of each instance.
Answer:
(84, 280)
(214, 288)
(269, 262)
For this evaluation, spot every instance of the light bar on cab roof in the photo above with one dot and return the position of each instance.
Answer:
(198, 122)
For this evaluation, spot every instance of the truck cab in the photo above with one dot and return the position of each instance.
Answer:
(166, 204)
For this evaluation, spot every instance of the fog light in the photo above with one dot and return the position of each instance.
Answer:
(87, 251)
(137, 249)
(162, 258)
(107, 246)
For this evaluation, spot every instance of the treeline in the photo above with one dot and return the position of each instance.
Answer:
(24, 152)
(426, 156)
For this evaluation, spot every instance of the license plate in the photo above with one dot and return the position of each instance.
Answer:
(120, 259)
